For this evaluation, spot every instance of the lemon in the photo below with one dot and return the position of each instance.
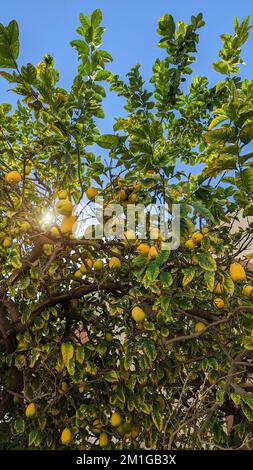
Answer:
(152, 252)
(103, 439)
(66, 436)
(7, 242)
(143, 249)
(78, 274)
(219, 303)
(237, 272)
(197, 238)
(205, 230)
(247, 291)
(54, 232)
(199, 327)
(68, 224)
(63, 194)
(91, 193)
(115, 419)
(83, 268)
(138, 314)
(114, 263)
(30, 410)
(190, 245)
(122, 195)
(28, 169)
(64, 386)
(13, 178)
(98, 265)
(133, 198)
(64, 207)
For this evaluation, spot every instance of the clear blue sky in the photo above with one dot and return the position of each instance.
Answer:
(47, 26)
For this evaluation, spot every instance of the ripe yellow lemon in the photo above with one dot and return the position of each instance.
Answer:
(28, 169)
(63, 194)
(98, 265)
(114, 263)
(138, 314)
(122, 195)
(219, 303)
(205, 230)
(152, 252)
(78, 274)
(115, 419)
(68, 224)
(91, 193)
(64, 207)
(64, 386)
(30, 410)
(197, 237)
(85, 267)
(247, 291)
(103, 439)
(133, 198)
(237, 272)
(143, 249)
(7, 242)
(199, 327)
(190, 245)
(54, 232)
(13, 178)
(66, 436)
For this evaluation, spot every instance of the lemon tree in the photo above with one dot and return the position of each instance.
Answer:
(114, 342)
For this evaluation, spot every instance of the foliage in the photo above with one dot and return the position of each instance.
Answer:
(172, 385)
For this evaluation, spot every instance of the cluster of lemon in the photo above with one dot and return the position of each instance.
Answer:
(237, 274)
(123, 428)
(128, 194)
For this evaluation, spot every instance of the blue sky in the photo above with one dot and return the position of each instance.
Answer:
(48, 26)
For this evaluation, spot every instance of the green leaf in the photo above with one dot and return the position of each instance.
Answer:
(206, 261)
(81, 47)
(228, 284)
(150, 350)
(166, 279)
(189, 274)
(128, 360)
(71, 366)
(96, 18)
(248, 399)
(32, 437)
(67, 351)
(209, 280)
(9, 44)
(19, 425)
(108, 141)
(246, 133)
(247, 179)
(247, 411)
(152, 271)
(111, 376)
(221, 67)
(157, 418)
(80, 354)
